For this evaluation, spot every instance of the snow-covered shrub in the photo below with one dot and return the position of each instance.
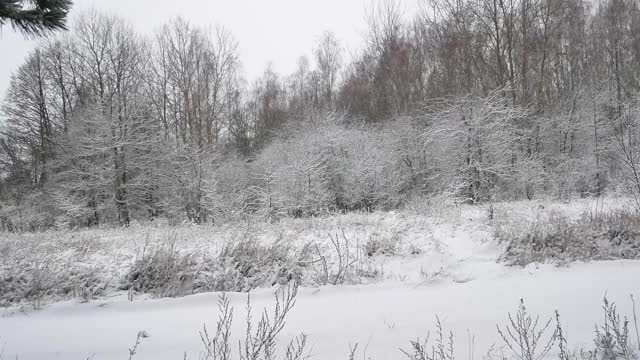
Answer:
(40, 268)
(443, 205)
(612, 339)
(242, 264)
(528, 339)
(576, 177)
(185, 183)
(245, 264)
(37, 282)
(554, 236)
(441, 349)
(82, 244)
(338, 263)
(261, 343)
(378, 244)
(328, 165)
(298, 175)
(35, 211)
(85, 283)
(226, 193)
(30, 282)
(471, 143)
(166, 272)
(371, 178)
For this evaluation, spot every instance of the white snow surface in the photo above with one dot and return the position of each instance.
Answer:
(381, 318)
(456, 278)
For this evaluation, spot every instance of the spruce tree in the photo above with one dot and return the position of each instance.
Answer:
(35, 17)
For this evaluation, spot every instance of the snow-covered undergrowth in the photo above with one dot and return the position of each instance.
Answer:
(427, 242)
(164, 261)
(373, 279)
(567, 233)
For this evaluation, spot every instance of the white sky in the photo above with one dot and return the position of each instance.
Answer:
(277, 31)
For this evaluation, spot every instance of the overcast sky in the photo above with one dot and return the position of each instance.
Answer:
(277, 31)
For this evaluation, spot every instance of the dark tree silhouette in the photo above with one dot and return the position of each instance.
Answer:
(35, 17)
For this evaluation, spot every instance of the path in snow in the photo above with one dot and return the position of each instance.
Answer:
(461, 251)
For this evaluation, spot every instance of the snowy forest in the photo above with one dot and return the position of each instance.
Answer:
(474, 100)
(159, 199)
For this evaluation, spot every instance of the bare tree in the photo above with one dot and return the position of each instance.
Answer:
(627, 141)
(195, 81)
(329, 60)
(27, 113)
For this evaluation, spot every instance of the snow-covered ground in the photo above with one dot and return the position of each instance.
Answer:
(455, 276)
(381, 318)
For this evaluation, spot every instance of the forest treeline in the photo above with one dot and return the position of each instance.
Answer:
(480, 100)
